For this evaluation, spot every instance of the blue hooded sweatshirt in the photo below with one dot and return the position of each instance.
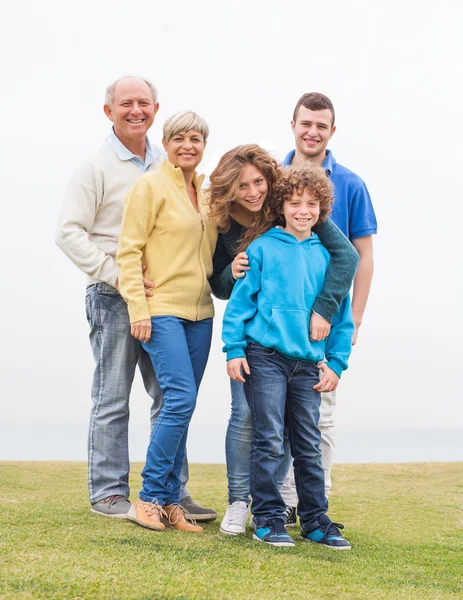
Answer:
(273, 303)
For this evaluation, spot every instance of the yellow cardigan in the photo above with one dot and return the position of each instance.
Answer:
(161, 228)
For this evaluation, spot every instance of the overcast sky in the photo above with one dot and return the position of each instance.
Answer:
(394, 73)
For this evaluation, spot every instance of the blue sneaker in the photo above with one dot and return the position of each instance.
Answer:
(273, 533)
(327, 534)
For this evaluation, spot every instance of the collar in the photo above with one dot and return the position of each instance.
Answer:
(328, 163)
(176, 174)
(124, 153)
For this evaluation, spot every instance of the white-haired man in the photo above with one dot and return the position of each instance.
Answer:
(88, 233)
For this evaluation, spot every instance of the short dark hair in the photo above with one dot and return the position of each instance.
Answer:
(314, 101)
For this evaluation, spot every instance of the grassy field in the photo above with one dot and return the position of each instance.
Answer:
(405, 523)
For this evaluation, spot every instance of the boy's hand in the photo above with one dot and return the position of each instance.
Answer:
(234, 368)
(240, 265)
(319, 328)
(329, 381)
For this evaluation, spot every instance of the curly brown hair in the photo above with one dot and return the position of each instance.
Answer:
(225, 180)
(311, 178)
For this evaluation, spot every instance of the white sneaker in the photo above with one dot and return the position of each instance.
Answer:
(234, 521)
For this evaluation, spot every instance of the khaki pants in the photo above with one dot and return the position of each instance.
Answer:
(327, 446)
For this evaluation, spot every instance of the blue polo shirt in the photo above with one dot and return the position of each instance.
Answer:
(352, 209)
(123, 153)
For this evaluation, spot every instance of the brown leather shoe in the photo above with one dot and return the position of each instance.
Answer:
(176, 519)
(147, 514)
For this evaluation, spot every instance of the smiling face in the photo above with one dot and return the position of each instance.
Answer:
(301, 213)
(252, 189)
(312, 132)
(185, 149)
(132, 110)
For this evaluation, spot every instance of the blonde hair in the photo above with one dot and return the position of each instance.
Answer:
(225, 180)
(309, 177)
(111, 89)
(184, 121)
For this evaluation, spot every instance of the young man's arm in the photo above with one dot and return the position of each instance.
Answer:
(337, 349)
(362, 281)
(338, 280)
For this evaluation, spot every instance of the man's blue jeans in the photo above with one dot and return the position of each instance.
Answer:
(238, 447)
(279, 387)
(116, 355)
(179, 350)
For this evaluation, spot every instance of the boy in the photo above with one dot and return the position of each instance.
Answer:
(266, 334)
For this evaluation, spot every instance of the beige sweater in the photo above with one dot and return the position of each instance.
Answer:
(90, 219)
(161, 225)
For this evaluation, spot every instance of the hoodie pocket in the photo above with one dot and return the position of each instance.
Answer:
(288, 333)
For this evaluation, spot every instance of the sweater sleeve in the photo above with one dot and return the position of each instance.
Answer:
(241, 307)
(138, 220)
(222, 281)
(341, 270)
(339, 343)
(80, 206)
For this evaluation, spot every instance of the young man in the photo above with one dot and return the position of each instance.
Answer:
(313, 126)
(88, 232)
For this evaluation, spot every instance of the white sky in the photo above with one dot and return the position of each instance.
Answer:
(394, 73)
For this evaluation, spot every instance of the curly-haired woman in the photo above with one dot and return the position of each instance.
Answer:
(240, 201)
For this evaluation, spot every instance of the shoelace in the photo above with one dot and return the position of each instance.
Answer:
(112, 499)
(288, 511)
(236, 514)
(278, 526)
(155, 507)
(332, 529)
(176, 514)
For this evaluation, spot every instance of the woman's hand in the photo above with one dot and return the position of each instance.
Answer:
(329, 381)
(234, 368)
(141, 330)
(240, 265)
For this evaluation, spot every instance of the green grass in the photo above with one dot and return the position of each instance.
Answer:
(405, 523)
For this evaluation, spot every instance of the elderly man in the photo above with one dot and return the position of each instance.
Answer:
(88, 232)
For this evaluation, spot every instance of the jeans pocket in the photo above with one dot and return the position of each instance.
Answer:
(105, 289)
(255, 348)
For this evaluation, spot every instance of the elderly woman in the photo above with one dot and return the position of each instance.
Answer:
(166, 222)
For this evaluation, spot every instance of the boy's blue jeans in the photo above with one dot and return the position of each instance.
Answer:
(179, 350)
(238, 448)
(279, 387)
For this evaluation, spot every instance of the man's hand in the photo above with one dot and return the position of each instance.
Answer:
(240, 265)
(141, 330)
(319, 328)
(329, 381)
(147, 284)
(234, 368)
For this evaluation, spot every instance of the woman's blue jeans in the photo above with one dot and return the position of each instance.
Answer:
(238, 448)
(179, 350)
